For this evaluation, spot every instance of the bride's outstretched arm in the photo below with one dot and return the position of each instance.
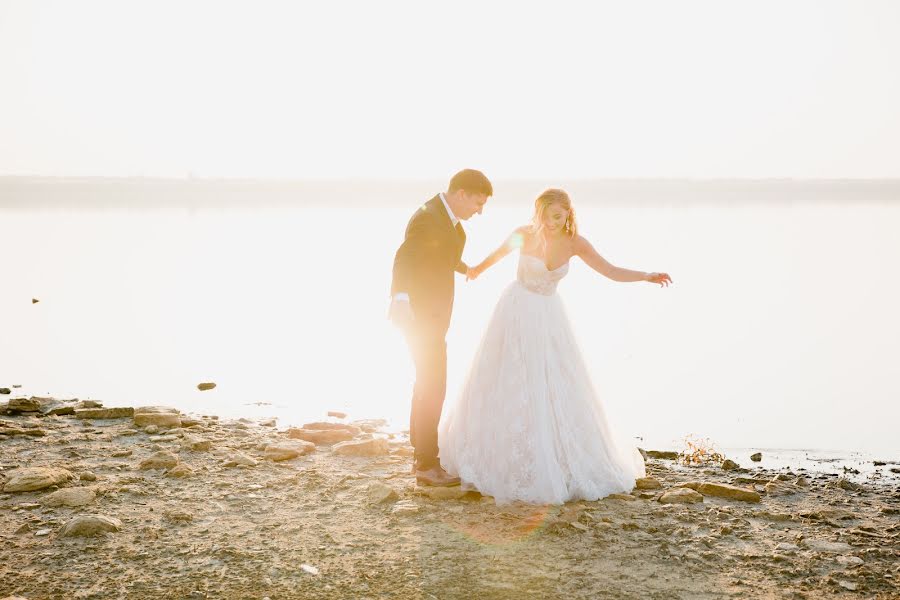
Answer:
(511, 243)
(586, 252)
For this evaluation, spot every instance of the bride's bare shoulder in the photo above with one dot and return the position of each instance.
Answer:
(521, 235)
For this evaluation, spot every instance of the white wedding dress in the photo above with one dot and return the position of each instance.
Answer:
(528, 424)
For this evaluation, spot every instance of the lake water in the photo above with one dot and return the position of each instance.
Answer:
(781, 329)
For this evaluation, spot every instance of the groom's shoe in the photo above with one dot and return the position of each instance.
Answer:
(435, 476)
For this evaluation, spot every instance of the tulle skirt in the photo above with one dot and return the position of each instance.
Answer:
(528, 424)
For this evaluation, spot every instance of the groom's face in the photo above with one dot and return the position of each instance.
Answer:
(471, 204)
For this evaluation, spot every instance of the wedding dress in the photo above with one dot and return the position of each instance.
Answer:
(528, 424)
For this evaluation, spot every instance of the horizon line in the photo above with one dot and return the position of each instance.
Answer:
(367, 179)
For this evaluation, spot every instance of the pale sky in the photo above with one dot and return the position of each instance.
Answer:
(420, 89)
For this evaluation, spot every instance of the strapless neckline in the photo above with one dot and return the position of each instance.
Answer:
(543, 264)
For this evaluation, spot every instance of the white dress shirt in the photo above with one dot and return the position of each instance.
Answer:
(453, 218)
(403, 296)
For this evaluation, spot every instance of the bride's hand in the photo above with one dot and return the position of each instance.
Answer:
(662, 279)
(472, 273)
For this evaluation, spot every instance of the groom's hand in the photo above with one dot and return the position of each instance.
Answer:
(400, 313)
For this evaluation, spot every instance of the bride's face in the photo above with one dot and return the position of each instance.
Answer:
(555, 217)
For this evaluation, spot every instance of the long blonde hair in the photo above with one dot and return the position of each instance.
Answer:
(548, 198)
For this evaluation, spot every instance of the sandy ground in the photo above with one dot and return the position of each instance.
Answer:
(348, 521)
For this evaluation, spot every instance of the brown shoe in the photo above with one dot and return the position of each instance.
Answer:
(436, 476)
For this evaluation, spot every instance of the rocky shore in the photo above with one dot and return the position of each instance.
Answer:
(148, 502)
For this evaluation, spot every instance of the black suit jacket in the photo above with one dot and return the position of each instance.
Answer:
(425, 264)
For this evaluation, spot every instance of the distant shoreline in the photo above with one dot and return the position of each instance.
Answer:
(146, 192)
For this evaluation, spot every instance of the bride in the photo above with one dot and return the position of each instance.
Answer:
(528, 424)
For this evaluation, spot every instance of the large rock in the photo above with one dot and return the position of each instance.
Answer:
(321, 436)
(89, 404)
(729, 465)
(90, 525)
(30, 479)
(372, 447)
(827, 547)
(379, 493)
(180, 470)
(681, 496)
(731, 492)
(159, 460)
(57, 407)
(775, 489)
(8, 429)
(22, 404)
(239, 459)
(288, 450)
(693, 485)
(370, 425)
(647, 483)
(119, 412)
(625, 497)
(845, 484)
(195, 443)
(325, 426)
(75, 496)
(756, 457)
(665, 455)
(160, 416)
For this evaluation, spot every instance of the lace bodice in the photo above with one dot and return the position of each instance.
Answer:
(535, 277)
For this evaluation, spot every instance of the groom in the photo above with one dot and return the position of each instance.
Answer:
(422, 301)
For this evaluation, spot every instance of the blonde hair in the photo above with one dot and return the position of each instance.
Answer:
(547, 199)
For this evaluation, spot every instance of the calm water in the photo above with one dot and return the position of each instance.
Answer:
(781, 330)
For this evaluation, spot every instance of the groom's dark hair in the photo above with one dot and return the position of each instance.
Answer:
(471, 181)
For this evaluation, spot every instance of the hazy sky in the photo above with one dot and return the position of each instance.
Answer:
(420, 89)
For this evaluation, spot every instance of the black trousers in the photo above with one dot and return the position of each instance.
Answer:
(429, 353)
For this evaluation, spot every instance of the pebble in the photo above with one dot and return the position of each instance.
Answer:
(625, 497)
(29, 479)
(321, 436)
(647, 483)
(90, 525)
(159, 460)
(826, 546)
(681, 496)
(180, 470)
(288, 450)
(379, 493)
(373, 447)
(730, 492)
(74, 496)
(239, 459)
